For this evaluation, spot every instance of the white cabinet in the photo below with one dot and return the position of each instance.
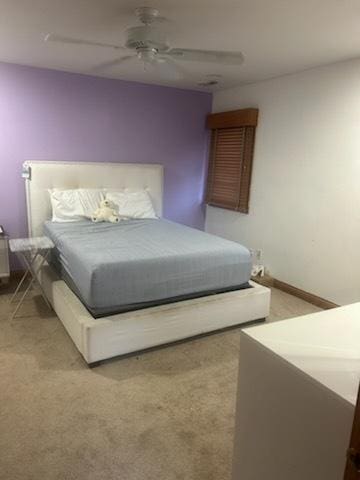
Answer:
(298, 382)
(4, 259)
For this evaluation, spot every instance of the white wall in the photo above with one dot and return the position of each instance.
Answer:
(305, 194)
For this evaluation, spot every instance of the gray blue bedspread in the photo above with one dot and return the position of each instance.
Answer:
(138, 263)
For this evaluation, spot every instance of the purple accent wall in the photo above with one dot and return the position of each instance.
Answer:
(51, 115)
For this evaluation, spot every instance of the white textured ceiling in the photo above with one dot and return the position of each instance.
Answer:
(276, 36)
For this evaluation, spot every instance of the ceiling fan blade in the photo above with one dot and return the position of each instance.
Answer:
(112, 63)
(211, 56)
(52, 37)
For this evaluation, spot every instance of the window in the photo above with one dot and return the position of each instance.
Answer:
(231, 155)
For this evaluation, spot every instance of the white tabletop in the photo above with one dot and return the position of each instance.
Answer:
(324, 345)
(30, 244)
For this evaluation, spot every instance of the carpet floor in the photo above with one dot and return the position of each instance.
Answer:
(167, 414)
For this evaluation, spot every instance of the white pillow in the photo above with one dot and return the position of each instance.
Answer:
(90, 199)
(74, 205)
(132, 203)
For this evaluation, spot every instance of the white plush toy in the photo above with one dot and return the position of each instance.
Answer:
(106, 213)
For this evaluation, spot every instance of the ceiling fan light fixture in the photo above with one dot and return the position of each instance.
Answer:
(146, 36)
(146, 55)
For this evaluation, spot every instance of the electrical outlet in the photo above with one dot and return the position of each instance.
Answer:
(257, 255)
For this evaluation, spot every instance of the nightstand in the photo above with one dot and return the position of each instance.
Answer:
(4, 257)
(33, 252)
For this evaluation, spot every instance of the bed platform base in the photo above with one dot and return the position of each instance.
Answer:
(121, 334)
(124, 333)
(177, 342)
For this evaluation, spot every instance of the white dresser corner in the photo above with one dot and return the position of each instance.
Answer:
(297, 388)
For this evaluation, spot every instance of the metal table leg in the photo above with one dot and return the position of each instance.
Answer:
(23, 277)
(30, 262)
(34, 273)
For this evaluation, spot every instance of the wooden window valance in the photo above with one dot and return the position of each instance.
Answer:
(231, 155)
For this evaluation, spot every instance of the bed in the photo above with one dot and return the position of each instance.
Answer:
(138, 263)
(161, 283)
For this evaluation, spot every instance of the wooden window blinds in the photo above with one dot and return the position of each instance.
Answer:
(231, 155)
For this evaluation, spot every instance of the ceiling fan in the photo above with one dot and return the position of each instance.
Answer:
(150, 46)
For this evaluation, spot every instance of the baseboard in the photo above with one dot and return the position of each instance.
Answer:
(269, 281)
(266, 280)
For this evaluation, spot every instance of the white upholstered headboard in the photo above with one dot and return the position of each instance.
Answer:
(68, 175)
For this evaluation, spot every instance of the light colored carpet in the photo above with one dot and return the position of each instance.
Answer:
(166, 414)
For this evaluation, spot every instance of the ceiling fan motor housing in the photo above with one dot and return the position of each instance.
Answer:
(145, 36)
